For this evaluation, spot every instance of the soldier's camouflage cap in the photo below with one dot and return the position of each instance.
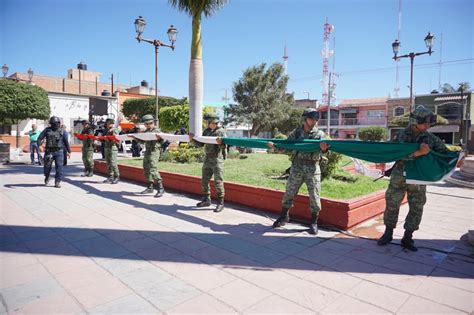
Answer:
(211, 117)
(147, 118)
(311, 113)
(422, 115)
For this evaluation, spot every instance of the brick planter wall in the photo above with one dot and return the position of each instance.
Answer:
(343, 214)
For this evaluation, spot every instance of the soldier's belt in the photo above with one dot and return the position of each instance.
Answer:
(213, 155)
(305, 162)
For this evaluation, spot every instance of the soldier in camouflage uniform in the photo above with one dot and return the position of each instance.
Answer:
(151, 158)
(87, 149)
(213, 163)
(304, 169)
(417, 132)
(111, 150)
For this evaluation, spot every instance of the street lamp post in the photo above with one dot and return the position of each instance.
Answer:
(30, 75)
(5, 70)
(172, 34)
(396, 47)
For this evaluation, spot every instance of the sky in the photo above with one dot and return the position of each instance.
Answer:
(52, 36)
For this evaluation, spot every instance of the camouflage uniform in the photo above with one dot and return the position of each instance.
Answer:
(213, 164)
(305, 169)
(111, 150)
(151, 158)
(88, 151)
(398, 186)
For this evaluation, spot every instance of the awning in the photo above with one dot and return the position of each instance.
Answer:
(444, 128)
(349, 111)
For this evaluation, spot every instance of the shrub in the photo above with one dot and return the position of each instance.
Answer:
(233, 154)
(183, 154)
(375, 133)
(329, 164)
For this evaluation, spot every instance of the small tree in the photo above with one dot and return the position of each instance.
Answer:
(173, 118)
(402, 121)
(261, 98)
(374, 133)
(135, 108)
(294, 120)
(19, 101)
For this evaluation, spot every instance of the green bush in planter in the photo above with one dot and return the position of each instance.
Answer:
(375, 133)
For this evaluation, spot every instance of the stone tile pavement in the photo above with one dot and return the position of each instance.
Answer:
(93, 248)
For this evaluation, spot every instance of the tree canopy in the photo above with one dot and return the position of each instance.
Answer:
(135, 108)
(261, 98)
(20, 101)
(373, 133)
(402, 121)
(448, 88)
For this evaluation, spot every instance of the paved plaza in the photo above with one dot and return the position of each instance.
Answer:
(94, 248)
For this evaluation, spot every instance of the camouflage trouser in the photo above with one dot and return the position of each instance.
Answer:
(299, 174)
(88, 159)
(394, 196)
(213, 166)
(150, 166)
(111, 160)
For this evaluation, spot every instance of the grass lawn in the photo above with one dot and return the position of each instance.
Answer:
(258, 169)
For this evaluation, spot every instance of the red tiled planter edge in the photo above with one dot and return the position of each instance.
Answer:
(343, 214)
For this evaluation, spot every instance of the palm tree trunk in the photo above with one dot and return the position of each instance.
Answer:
(196, 80)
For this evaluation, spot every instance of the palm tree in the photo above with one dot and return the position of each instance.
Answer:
(195, 9)
(447, 88)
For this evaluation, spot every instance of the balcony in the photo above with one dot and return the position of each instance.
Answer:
(355, 122)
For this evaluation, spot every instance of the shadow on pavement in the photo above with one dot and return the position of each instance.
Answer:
(244, 245)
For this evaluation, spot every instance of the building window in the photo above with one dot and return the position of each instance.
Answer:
(398, 111)
(376, 113)
(5, 129)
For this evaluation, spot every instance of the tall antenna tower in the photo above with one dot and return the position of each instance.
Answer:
(326, 53)
(397, 84)
(332, 86)
(285, 60)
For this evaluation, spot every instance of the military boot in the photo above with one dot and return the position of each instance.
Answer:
(387, 237)
(108, 180)
(149, 189)
(46, 180)
(313, 226)
(205, 202)
(115, 180)
(161, 190)
(86, 173)
(57, 183)
(283, 219)
(407, 241)
(90, 173)
(220, 205)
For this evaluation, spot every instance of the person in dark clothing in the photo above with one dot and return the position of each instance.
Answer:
(56, 144)
(136, 147)
(100, 131)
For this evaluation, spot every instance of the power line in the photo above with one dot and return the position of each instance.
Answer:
(388, 69)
